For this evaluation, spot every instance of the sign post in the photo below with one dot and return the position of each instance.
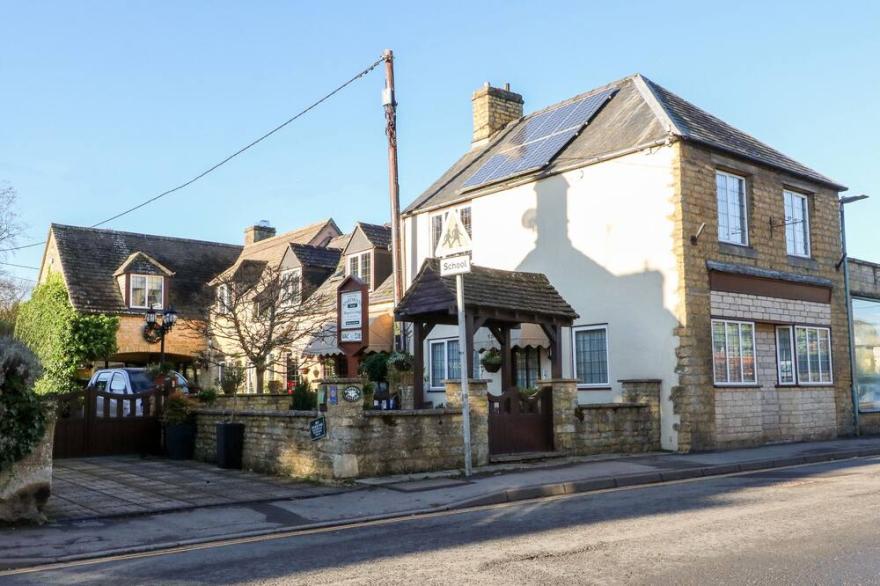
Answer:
(352, 320)
(454, 251)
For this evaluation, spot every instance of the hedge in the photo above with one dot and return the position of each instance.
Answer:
(22, 419)
(62, 338)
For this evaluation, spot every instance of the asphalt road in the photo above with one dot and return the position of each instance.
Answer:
(807, 525)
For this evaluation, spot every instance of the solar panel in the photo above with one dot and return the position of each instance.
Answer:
(534, 143)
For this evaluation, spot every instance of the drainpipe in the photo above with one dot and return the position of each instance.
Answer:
(849, 315)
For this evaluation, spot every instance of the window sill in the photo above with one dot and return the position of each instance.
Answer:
(735, 387)
(806, 386)
(436, 390)
(598, 388)
(743, 250)
(803, 262)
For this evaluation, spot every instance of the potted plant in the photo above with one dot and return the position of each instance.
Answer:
(491, 360)
(230, 434)
(401, 361)
(180, 429)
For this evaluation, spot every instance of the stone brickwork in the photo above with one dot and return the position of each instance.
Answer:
(864, 278)
(183, 340)
(769, 309)
(249, 402)
(359, 443)
(494, 108)
(695, 396)
(478, 405)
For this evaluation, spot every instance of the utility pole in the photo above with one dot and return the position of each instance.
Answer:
(389, 101)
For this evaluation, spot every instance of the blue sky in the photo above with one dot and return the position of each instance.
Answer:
(107, 103)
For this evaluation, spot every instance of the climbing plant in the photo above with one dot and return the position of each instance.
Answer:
(63, 339)
(22, 419)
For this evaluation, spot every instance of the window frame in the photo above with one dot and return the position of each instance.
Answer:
(793, 351)
(821, 383)
(574, 370)
(728, 382)
(806, 207)
(223, 299)
(291, 300)
(359, 257)
(431, 344)
(519, 358)
(745, 206)
(131, 279)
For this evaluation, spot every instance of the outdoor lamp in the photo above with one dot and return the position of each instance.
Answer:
(150, 316)
(170, 317)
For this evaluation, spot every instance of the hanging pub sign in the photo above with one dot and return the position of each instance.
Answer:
(352, 318)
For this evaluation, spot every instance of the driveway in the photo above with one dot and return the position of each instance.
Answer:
(88, 488)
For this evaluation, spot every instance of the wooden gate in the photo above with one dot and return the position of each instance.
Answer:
(520, 424)
(97, 423)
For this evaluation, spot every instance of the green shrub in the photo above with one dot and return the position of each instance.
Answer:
(63, 339)
(178, 409)
(207, 396)
(22, 419)
(375, 367)
(304, 398)
(232, 379)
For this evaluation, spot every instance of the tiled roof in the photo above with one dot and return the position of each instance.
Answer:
(379, 236)
(640, 113)
(90, 256)
(316, 256)
(512, 291)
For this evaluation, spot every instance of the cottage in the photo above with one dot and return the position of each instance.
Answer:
(693, 255)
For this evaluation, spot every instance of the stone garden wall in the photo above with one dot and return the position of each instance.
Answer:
(265, 402)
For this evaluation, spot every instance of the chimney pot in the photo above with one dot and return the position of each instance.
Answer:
(493, 109)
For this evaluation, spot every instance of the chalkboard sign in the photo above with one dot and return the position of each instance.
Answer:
(317, 428)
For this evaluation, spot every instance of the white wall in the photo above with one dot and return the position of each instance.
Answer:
(604, 236)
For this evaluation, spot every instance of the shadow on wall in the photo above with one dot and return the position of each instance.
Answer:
(640, 326)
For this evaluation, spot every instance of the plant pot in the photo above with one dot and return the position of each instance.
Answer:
(492, 367)
(230, 445)
(180, 441)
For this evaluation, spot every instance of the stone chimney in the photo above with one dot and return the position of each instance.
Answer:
(494, 108)
(259, 231)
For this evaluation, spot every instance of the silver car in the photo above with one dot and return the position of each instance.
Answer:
(121, 381)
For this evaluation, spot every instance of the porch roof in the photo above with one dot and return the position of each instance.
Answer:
(494, 294)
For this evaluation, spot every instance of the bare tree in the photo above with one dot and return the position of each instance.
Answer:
(10, 227)
(256, 310)
(11, 291)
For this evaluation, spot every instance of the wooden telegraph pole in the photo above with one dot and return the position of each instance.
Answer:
(389, 101)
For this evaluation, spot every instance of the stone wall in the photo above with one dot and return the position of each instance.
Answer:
(251, 402)
(695, 397)
(864, 278)
(359, 443)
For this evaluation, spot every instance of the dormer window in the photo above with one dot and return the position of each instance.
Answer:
(223, 301)
(360, 266)
(147, 291)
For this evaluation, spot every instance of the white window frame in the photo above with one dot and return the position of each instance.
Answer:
(794, 195)
(820, 383)
(442, 215)
(779, 381)
(286, 275)
(745, 206)
(574, 331)
(727, 383)
(431, 344)
(147, 279)
(360, 258)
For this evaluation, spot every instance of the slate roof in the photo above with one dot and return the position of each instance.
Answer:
(639, 114)
(379, 236)
(486, 288)
(90, 256)
(316, 256)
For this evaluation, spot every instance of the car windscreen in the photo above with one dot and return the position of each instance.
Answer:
(140, 381)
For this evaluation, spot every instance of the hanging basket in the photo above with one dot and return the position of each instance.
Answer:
(491, 360)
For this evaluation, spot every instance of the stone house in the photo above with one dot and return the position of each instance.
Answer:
(694, 255)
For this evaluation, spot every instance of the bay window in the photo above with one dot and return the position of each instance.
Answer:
(733, 352)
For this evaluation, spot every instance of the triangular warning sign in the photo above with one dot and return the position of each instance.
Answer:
(454, 238)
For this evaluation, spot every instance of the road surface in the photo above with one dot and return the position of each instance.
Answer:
(804, 525)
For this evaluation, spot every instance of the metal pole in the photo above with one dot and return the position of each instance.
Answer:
(162, 348)
(389, 100)
(849, 321)
(463, 365)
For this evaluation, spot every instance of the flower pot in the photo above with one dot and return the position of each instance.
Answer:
(180, 440)
(230, 445)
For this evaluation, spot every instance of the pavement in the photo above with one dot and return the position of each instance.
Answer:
(809, 524)
(91, 488)
(393, 498)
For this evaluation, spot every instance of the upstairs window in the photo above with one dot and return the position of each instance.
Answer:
(438, 221)
(359, 265)
(147, 291)
(797, 223)
(291, 289)
(223, 300)
(732, 212)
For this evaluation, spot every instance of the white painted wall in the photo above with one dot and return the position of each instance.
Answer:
(604, 236)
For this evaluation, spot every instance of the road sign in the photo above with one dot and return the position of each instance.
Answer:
(455, 265)
(454, 238)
